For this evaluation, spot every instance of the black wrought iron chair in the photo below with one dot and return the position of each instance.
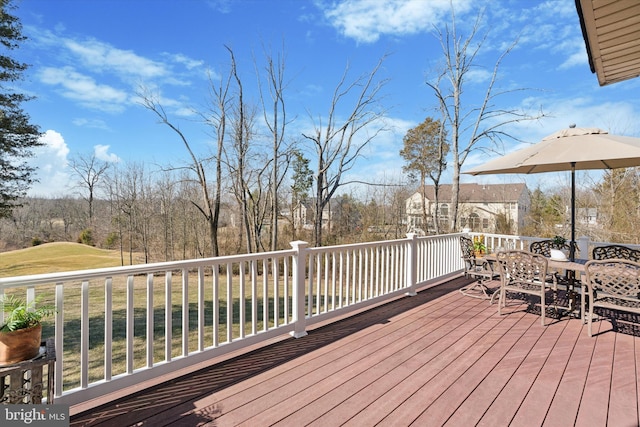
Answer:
(616, 252)
(477, 268)
(543, 247)
(523, 273)
(612, 284)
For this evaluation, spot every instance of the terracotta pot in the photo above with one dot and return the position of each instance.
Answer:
(23, 344)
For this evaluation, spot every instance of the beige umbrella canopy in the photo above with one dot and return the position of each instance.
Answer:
(568, 150)
(588, 148)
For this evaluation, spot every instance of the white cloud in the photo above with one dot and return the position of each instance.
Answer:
(189, 63)
(90, 123)
(84, 89)
(222, 6)
(104, 77)
(102, 56)
(50, 162)
(478, 76)
(367, 20)
(577, 58)
(102, 153)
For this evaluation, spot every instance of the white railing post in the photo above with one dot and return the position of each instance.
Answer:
(583, 247)
(412, 260)
(298, 312)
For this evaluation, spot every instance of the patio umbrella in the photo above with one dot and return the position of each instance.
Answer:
(568, 150)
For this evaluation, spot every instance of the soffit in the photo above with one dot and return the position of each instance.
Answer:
(611, 29)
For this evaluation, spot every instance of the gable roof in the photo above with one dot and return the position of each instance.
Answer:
(479, 193)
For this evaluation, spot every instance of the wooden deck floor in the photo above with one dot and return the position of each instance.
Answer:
(438, 358)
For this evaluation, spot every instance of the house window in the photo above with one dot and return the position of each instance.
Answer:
(444, 210)
(474, 222)
(485, 223)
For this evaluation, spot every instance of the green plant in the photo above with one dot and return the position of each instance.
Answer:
(112, 240)
(86, 237)
(22, 315)
(560, 242)
(478, 244)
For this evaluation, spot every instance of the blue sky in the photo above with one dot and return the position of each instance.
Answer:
(88, 59)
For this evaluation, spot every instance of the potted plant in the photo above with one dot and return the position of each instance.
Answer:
(479, 247)
(559, 242)
(21, 333)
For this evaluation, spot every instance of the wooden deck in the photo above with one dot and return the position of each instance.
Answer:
(438, 358)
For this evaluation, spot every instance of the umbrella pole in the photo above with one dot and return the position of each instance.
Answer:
(572, 244)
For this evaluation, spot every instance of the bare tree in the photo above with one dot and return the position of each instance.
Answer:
(338, 143)
(123, 187)
(209, 206)
(465, 120)
(69, 211)
(260, 203)
(241, 133)
(276, 120)
(89, 170)
(618, 198)
(217, 119)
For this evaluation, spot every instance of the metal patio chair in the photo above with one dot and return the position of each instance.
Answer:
(525, 273)
(612, 284)
(477, 268)
(543, 247)
(616, 252)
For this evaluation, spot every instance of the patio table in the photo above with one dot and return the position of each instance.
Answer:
(572, 267)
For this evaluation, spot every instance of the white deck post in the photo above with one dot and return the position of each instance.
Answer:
(299, 298)
(412, 260)
(583, 247)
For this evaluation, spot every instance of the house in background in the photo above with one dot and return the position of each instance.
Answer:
(487, 208)
(303, 213)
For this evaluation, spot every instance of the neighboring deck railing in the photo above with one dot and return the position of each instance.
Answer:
(116, 327)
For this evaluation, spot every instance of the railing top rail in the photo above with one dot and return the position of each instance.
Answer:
(377, 243)
(65, 276)
(351, 246)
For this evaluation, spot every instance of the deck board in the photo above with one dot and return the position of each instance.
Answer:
(623, 404)
(594, 406)
(493, 372)
(347, 371)
(419, 364)
(437, 358)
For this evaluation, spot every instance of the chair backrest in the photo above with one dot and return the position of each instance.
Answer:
(616, 252)
(466, 245)
(615, 277)
(522, 266)
(542, 247)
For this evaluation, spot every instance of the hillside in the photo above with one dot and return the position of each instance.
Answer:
(54, 257)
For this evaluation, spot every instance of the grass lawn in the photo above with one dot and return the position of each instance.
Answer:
(55, 257)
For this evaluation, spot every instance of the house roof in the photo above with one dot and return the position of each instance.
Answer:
(479, 193)
(611, 30)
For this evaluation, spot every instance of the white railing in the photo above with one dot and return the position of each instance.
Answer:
(116, 327)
